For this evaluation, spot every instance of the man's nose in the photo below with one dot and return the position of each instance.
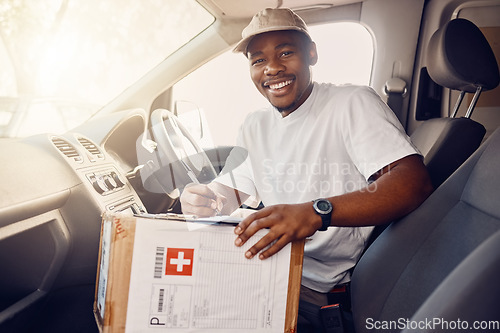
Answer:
(274, 67)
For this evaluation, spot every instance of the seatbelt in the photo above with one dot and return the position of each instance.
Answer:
(395, 89)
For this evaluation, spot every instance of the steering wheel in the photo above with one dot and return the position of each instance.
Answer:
(186, 160)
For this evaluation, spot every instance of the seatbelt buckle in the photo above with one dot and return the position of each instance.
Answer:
(341, 294)
(331, 318)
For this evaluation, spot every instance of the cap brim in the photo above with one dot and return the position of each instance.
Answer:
(243, 44)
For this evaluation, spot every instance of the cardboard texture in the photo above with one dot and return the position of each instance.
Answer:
(121, 246)
(115, 268)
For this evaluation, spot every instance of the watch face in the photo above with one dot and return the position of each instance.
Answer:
(323, 205)
(323, 208)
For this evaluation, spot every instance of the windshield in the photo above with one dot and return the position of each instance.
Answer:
(82, 53)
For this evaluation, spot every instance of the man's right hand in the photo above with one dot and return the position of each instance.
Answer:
(201, 200)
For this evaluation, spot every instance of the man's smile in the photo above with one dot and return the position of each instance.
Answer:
(278, 85)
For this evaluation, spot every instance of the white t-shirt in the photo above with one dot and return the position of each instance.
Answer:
(329, 146)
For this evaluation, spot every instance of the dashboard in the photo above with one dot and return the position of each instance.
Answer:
(53, 190)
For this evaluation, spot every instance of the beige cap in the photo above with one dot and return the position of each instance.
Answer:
(270, 19)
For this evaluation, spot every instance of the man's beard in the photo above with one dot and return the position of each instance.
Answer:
(287, 108)
(292, 106)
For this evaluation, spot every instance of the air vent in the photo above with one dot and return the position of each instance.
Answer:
(67, 149)
(91, 148)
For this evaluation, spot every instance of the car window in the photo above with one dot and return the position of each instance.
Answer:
(223, 92)
(87, 51)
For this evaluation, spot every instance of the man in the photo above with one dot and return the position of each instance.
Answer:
(339, 146)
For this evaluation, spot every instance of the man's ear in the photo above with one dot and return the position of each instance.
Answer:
(313, 54)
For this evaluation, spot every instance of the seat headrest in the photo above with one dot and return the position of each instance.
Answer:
(459, 57)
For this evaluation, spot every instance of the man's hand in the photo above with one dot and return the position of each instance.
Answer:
(201, 200)
(286, 223)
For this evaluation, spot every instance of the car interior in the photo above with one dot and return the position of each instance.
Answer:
(435, 63)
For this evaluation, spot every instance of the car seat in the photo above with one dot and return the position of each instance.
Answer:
(440, 261)
(459, 58)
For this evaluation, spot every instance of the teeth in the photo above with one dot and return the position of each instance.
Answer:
(280, 85)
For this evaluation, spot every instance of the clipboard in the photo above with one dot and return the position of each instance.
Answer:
(222, 220)
(115, 268)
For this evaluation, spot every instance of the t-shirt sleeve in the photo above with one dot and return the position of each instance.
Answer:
(373, 135)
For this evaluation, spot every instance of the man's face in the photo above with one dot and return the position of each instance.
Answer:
(280, 68)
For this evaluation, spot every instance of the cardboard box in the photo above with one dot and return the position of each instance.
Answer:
(176, 276)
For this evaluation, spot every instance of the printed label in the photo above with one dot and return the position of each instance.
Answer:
(179, 262)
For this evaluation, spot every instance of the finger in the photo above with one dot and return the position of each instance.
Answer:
(199, 211)
(250, 225)
(199, 200)
(203, 195)
(243, 225)
(264, 242)
(194, 202)
(220, 202)
(275, 248)
(199, 195)
(201, 189)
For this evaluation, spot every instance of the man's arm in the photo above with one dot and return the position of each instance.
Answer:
(397, 189)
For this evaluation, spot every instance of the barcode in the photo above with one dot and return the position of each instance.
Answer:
(160, 300)
(160, 253)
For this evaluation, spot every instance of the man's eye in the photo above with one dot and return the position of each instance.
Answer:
(286, 53)
(256, 62)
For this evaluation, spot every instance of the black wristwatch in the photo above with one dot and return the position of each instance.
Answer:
(323, 208)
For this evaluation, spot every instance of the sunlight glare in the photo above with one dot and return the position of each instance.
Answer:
(57, 58)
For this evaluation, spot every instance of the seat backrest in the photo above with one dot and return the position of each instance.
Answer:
(446, 143)
(474, 281)
(416, 257)
(459, 58)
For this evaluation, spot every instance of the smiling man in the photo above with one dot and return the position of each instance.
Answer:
(280, 69)
(327, 161)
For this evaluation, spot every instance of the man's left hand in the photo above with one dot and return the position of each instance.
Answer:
(286, 223)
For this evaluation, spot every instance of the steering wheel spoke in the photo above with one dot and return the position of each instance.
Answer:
(179, 151)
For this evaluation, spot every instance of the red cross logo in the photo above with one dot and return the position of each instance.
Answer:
(179, 261)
